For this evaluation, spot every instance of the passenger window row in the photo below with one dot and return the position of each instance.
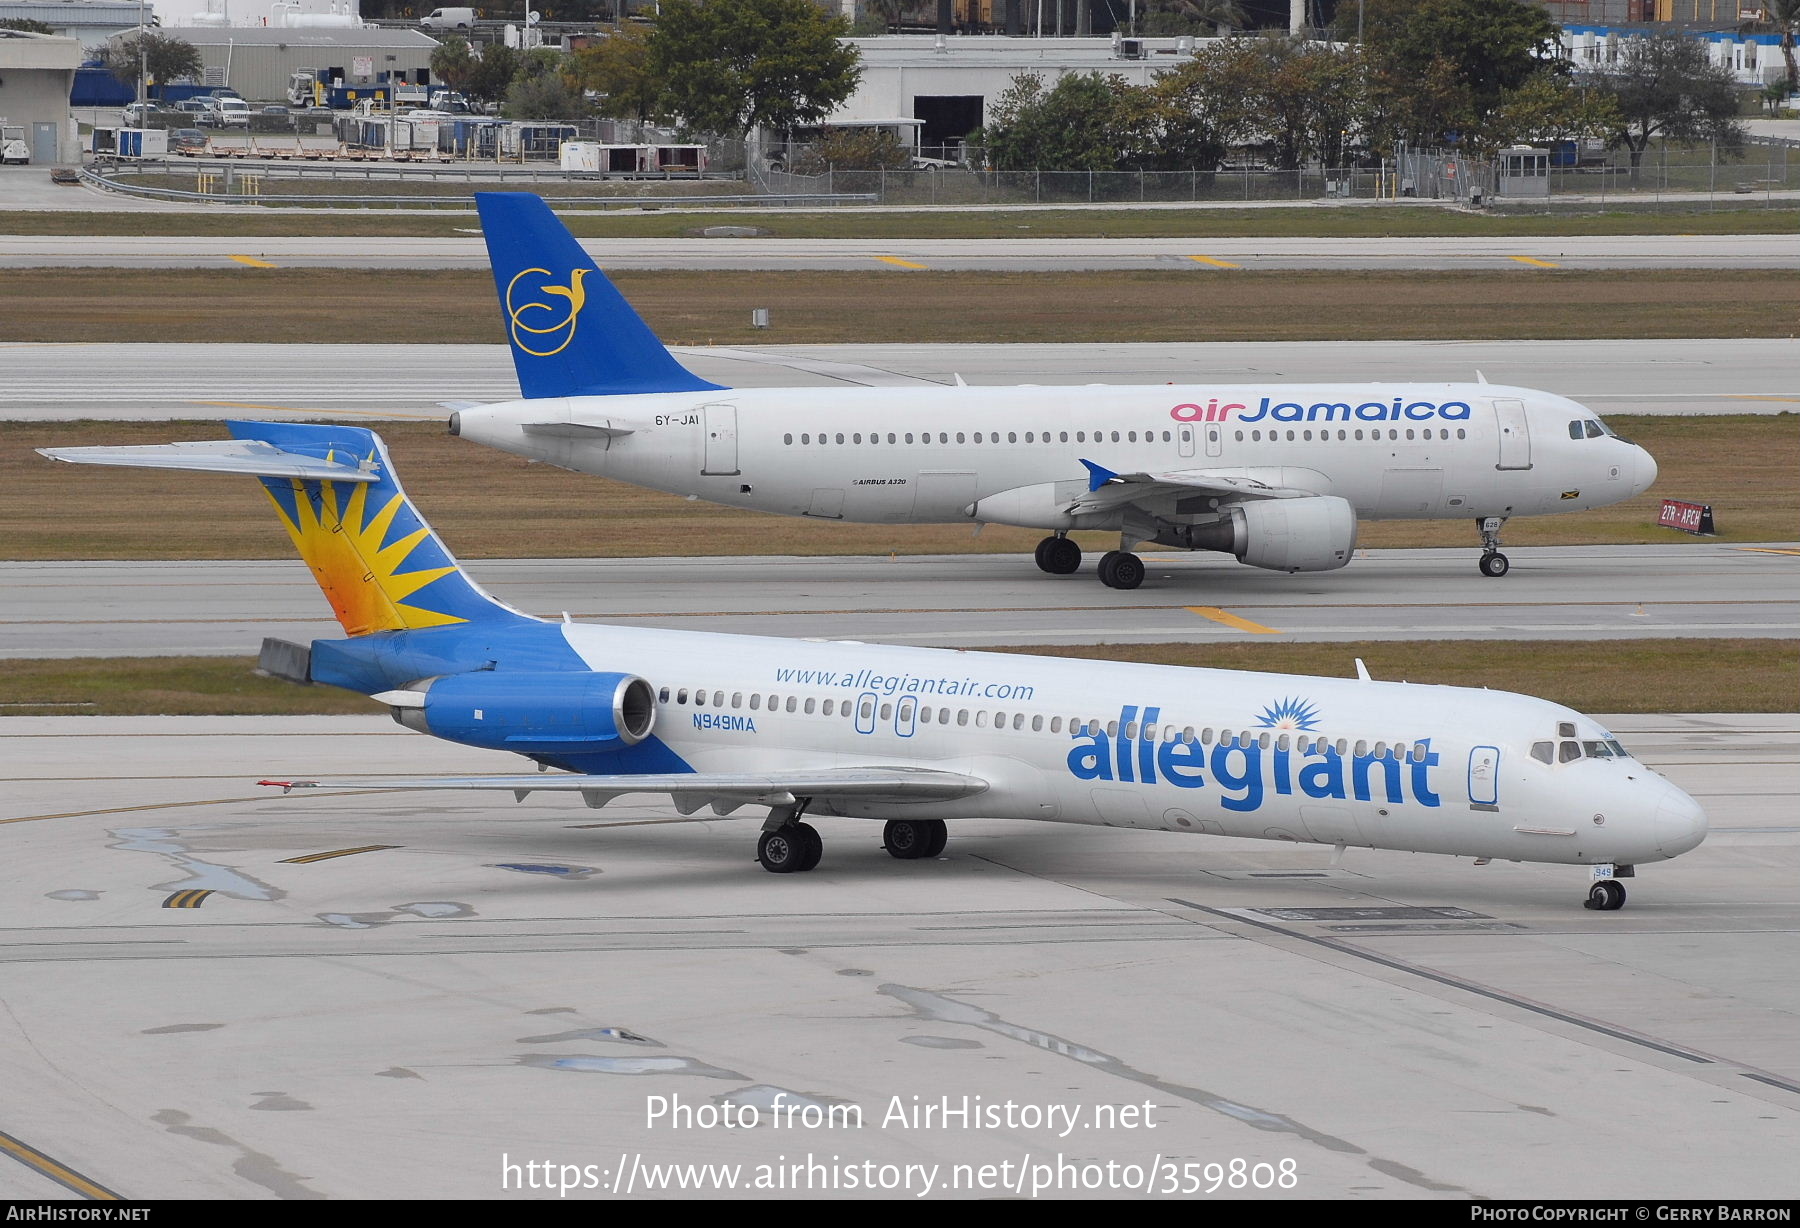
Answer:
(988, 437)
(1374, 434)
(983, 718)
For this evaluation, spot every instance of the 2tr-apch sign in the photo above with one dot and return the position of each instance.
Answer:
(1688, 517)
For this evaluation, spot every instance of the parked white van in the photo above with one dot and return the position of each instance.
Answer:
(449, 19)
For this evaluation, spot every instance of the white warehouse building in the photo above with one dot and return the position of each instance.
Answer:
(950, 82)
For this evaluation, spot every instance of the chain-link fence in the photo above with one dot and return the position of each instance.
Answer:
(1663, 174)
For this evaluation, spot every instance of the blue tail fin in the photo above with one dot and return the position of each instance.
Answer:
(572, 333)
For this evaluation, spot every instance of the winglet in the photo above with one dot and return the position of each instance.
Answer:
(1098, 475)
(1362, 671)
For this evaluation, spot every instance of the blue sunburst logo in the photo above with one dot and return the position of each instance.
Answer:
(1293, 713)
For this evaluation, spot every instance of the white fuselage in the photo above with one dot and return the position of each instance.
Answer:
(906, 455)
(1335, 761)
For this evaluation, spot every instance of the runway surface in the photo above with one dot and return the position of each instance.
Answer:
(956, 601)
(219, 991)
(1205, 256)
(362, 382)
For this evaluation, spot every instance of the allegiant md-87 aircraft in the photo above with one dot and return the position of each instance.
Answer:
(1275, 474)
(917, 736)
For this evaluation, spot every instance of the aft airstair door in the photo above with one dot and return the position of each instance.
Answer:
(1515, 435)
(720, 424)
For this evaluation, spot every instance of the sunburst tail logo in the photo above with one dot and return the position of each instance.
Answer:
(1292, 713)
(379, 564)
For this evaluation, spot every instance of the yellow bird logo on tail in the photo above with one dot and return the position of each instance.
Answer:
(530, 331)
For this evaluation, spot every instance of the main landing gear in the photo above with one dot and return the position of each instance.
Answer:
(1493, 563)
(788, 846)
(914, 839)
(1058, 555)
(1121, 569)
(1118, 568)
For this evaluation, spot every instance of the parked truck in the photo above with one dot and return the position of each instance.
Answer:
(12, 143)
(312, 87)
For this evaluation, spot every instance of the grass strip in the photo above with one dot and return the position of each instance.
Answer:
(1197, 303)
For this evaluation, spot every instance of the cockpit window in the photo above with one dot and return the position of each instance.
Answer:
(1565, 729)
(1594, 429)
(1568, 752)
(1575, 431)
(1596, 750)
(1544, 752)
(1617, 750)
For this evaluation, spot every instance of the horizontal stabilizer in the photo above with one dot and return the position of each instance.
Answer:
(248, 457)
(887, 784)
(580, 430)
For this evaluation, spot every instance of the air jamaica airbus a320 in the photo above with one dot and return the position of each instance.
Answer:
(1276, 475)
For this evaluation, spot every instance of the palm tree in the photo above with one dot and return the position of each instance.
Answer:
(1784, 15)
(1221, 15)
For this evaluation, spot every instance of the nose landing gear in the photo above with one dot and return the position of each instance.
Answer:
(1605, 896)
(1493, 563)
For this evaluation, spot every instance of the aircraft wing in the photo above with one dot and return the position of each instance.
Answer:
(1108, 490)
(724, 791)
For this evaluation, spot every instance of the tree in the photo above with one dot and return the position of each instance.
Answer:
(453, 64)
(618, 69)
(546, 95)
(1668, 86)
(1200, 17)
(1784, 15)
(1310, 95)
(26, 25)
(1079, 124)
(494, 73)
(1548, 107)
(892, 14)
(1191, 117)
(1439, 68)
(728, 66)
(165, 58)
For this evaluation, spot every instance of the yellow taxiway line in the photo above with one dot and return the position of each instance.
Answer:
(1230, 620)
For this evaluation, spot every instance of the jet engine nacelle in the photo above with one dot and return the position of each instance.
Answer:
(1315, 533)
(1311, 534)
(533, 713)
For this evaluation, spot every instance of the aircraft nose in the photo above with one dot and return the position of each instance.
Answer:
(1680, 824)
(1644, 476)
